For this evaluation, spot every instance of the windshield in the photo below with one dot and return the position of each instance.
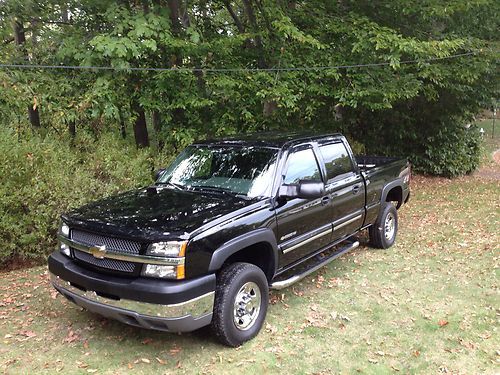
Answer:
(244, 171)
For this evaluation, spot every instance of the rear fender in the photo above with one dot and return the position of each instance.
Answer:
(391, 185)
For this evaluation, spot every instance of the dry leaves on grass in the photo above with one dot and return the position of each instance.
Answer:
(443, 323)
(71, 337)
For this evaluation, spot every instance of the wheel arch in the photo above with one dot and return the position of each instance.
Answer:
(258, 247)
(393, 191)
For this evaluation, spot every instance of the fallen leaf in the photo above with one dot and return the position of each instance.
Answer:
(270, 328)
(175, 351)
(161, 361)
(81, 364)
(443, 323)
(71, 337)
(145, 360)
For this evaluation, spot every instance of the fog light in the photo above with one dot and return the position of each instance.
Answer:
(155, 270)
(65, 249)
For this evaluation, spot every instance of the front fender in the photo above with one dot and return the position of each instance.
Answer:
(245, 240)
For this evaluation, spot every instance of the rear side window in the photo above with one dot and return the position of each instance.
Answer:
(302, 165)
(337, 160)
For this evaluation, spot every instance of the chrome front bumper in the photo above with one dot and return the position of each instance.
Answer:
(180, 317)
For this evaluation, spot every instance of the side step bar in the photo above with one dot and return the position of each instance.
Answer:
(277, 285)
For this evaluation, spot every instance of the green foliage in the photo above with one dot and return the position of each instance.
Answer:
(43, 177)
(450, 152)
(199, 104)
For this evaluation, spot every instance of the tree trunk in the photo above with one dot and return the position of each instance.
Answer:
(72, 132)
(34, 116)
(123, 128)
(156, 118)
(140, 128)
(173, 6)
(19, 35)
(20, 38)
(157, 125)
(248, 4)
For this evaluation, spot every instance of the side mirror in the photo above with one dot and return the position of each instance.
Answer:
(158, 173)
(303, 190)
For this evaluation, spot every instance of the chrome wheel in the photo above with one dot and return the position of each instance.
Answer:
(389, 226)
(247, 306)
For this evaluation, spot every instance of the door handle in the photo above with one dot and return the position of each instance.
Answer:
(325, 200)
(355, 189)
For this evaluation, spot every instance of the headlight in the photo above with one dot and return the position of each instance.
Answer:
(176, 249)
(64, 229)
(168, 249)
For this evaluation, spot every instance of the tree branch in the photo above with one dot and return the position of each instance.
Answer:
(51, 22)
(234, 16)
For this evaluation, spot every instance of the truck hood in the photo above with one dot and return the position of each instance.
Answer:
(153, 212)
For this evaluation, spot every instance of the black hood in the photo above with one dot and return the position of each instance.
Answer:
(153, 212)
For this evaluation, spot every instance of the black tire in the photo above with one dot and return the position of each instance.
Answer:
(381, 236)
(230, 285)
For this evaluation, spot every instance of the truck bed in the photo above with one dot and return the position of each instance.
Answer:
(366, 163)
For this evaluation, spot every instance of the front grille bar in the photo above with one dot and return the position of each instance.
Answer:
(125, 257)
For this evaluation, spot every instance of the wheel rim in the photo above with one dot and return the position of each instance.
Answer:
(247, 306)
(389, 226)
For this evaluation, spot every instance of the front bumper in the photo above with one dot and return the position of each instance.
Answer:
(174, 306)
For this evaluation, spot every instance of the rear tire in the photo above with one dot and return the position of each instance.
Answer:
(241, 300)
(383, 232)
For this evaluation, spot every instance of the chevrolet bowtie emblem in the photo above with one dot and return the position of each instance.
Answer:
(98, 251)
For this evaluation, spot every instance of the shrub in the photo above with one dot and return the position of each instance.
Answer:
(450, 152)
(41, 177)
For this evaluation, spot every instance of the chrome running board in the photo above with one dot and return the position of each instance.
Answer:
(277, 285)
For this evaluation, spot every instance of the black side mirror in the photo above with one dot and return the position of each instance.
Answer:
(158, 173)
(303, 190)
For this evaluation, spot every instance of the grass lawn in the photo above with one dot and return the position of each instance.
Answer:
(430, 304)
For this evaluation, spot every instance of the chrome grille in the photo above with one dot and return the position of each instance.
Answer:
(115, 244)
(111, 264)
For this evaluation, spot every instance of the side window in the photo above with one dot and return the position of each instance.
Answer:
(302, 165)
(337, 160)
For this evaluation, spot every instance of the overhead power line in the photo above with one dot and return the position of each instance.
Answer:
(232, 70)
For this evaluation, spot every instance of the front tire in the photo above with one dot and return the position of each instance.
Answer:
(241, 300)
(383, 232)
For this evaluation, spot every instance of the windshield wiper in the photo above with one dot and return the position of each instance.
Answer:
(213, 188)
(220, 190)
(173, 184)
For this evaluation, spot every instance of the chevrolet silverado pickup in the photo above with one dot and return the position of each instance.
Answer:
(224, 223)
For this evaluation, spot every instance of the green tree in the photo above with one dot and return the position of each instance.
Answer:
(399, 108)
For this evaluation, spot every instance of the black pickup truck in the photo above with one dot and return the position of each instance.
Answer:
(226, 221)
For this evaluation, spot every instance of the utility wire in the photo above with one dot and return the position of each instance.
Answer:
(231, 70)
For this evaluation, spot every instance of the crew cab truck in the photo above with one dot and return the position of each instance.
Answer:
(224, 223)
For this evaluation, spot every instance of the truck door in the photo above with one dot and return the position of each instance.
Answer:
(345, 187)
(304, 225)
